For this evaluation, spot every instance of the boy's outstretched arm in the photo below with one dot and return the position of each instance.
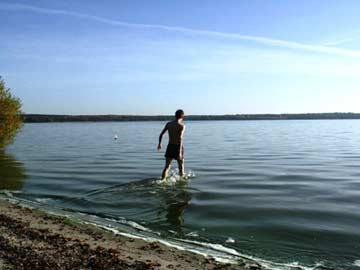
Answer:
(161, 136)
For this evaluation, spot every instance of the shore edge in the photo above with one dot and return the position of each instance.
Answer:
(34, 239)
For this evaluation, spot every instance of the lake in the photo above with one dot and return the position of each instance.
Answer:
(284, 192)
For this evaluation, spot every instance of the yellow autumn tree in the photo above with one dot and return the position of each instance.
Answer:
(10, 115)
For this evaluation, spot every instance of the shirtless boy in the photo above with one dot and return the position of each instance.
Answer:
(175, 149)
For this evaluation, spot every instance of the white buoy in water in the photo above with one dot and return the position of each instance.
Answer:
(116, 137)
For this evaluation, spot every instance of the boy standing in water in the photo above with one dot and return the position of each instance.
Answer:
(175, 149)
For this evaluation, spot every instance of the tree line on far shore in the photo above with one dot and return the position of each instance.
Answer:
(43, 118)
(12, 118)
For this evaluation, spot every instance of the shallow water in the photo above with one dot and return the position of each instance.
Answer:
(282, 191)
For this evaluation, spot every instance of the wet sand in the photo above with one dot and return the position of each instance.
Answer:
(31, 239)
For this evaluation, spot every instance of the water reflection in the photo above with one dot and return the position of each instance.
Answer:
(12, 172)
(174, 202)
(160, 204)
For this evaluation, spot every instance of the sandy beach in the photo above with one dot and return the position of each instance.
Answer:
(32, 239)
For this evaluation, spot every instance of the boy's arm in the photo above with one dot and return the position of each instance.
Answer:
(181, 143)
(161, 136)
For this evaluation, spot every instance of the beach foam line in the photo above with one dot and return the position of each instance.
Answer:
(84, 218)
(166, 243)
(9, 193)
(132, 224)
(169, 243)
(219, 252)
(222, 254)
(264, 263)
(216, 247)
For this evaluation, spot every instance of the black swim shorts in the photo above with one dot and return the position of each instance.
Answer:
(173, 151)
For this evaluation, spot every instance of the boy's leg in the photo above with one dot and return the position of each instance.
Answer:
(167, 168)
(181, 164)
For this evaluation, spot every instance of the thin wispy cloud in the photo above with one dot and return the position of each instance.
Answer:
(278, 43)
(343, 41)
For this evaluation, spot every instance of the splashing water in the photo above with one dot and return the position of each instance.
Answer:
(174, 177)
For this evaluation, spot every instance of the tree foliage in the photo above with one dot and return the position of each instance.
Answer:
(10, 115)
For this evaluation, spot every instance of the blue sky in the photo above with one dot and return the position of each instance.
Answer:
(207, 57)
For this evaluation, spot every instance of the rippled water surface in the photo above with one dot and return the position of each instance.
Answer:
(282, 191)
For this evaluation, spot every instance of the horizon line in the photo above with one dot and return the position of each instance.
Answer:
(166, 115)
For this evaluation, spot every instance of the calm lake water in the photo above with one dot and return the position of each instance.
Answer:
(286, 192)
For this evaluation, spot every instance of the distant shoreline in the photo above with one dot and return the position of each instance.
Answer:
(48, 118)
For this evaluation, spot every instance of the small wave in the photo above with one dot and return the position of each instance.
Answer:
(192, 234)
(132, 185)
(169, 243)
(264, 263)
(132, 224)
(138, 226)
(7, 193)
(216, 247)
(10, 193)
(230, 240)
(357, 263)
(43, 200)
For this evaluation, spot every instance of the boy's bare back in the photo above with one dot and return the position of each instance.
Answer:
(175, 132)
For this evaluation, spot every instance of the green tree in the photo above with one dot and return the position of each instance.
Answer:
(10, 115)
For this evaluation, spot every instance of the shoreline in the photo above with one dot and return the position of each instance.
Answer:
(34, 239)
(56, 118)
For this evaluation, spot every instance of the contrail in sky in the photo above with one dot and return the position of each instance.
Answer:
(342, 41)
(189, 31)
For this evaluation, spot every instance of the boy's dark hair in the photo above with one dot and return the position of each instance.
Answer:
(179, 114)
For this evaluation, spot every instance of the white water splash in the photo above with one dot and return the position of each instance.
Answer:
(174, 177)
(357, 263)
(230, 240)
